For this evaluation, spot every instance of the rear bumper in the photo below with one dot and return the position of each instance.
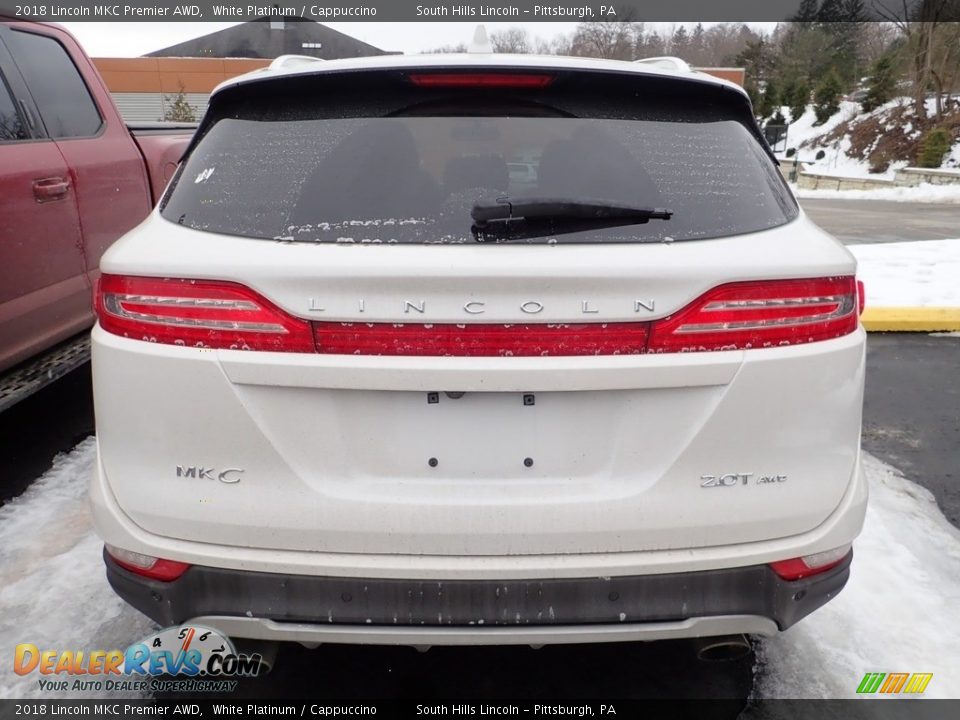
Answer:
(311, 608)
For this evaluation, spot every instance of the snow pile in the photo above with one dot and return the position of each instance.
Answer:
(925, 273)
(923, 193)
(898, 613)
(53, 592)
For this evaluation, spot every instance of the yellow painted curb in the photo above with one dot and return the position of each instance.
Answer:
(907, 319)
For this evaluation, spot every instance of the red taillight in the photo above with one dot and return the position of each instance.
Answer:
(481, 80)
(861, 296)
(147, 565)
(226, 315)
(760, 314)
(481, 340)
(197, 313)
(809, 565)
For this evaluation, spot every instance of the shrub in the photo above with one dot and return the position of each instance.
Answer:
(879, 163)
(821, 154)
(934, 145)
(177, 108)
(791, 152)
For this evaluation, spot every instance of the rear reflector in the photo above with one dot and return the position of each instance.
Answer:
(481, 340)
(197, 313)
(760, 314)
(480, 80)
(808, 565)
(147, 565)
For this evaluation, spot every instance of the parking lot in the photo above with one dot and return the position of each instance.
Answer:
(911, 422)
(875, 221)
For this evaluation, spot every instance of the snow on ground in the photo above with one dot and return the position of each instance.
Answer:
(924, 273)
(897, 614)
(836, 162)
(804, 129)
(924, 193)
(53, 591)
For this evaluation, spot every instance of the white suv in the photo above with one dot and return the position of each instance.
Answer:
(355, 384)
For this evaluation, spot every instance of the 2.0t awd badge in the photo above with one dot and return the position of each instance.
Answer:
(731, 479)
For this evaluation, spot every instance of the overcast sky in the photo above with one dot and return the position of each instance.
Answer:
(138, 38)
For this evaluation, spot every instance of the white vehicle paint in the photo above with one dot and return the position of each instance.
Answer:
(544, 460)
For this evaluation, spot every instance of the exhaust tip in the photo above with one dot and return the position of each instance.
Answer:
(724, 649)
(266, 649)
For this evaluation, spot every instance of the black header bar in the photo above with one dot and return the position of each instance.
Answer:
(438, 10)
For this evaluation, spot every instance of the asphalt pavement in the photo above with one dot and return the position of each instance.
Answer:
(875, 221)
(911, 413)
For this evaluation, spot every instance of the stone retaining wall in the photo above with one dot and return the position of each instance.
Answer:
(907, 177)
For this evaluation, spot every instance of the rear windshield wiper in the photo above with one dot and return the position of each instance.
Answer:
(506, 209)
(507, 218)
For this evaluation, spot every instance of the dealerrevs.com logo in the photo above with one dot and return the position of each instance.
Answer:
(187, 658)
(894, 683)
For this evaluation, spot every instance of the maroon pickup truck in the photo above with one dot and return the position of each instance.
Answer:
(73, 178)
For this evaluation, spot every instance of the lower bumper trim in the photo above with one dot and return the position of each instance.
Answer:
(319, 633)
(480, 606)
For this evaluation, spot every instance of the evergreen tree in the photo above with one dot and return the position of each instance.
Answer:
(826, 96)
(770, 101)
(798, 100)
(854, 11)
(842, 21)
(787, 92)
(831, 11)
(882, 84)
(808, 11)
(698, 45)
(680, 43)
(654, 45)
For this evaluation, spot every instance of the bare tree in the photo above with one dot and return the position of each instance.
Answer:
(511, 40)
(877, 37)
(446, 49)
(945, 62)
(918, 23)
(611, 40)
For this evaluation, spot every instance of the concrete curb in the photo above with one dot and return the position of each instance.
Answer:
(911, 319)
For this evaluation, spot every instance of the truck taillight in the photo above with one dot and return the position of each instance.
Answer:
(478, 340)
(760, 314)
(197, 313)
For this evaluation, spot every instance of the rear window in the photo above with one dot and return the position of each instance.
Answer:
(409, 167)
